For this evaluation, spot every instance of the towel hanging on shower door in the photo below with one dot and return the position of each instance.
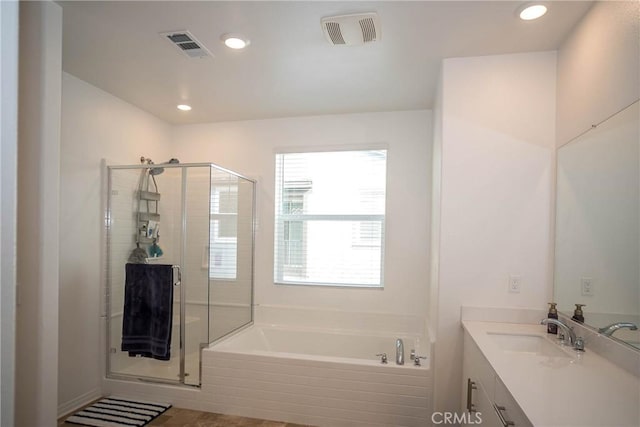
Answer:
(148, 311)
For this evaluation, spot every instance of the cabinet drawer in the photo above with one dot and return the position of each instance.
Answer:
(484, 414)
(474, 362)
(507, 407)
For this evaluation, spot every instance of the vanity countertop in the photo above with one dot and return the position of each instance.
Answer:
(570, 389)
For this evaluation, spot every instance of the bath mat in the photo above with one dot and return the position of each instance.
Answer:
(118, 412)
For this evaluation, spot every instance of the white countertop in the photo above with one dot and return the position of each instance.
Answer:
(583, 389)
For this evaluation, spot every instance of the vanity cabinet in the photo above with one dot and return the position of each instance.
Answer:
(485, 398)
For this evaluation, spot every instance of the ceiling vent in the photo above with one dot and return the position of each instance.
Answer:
(352, 30)
(187, 44)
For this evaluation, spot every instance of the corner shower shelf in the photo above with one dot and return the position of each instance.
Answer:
(149, 195)
(148, 216)
(146, 240)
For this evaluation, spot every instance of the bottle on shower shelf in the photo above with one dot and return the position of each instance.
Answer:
(155, 251)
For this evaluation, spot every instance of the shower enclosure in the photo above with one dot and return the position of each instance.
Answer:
(198, 218)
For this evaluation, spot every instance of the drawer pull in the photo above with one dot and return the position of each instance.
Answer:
(499, 409)
(471, 385)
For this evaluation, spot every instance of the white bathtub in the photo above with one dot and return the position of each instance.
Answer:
(322, 378)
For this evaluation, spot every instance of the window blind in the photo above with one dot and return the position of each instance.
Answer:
(329, 218)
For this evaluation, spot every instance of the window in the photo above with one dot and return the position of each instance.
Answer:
(329, 218)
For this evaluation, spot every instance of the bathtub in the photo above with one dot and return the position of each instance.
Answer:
(321, 378)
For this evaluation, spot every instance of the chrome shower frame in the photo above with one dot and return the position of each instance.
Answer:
(107, 279)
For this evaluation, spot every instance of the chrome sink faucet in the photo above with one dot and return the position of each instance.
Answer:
(399, 352)
(609, 330)
(568, 332)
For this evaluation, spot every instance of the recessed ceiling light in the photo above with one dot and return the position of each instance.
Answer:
(235, 41)
(184, 107)
(532, 11)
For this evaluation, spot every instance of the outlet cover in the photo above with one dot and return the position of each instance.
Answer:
(515, 282)
(587, 287)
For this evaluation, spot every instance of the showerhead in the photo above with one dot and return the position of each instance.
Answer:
(159, 170)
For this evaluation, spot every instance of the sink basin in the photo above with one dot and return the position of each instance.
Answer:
(529, 344)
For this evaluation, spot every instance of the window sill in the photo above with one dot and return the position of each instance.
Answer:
(330, 285)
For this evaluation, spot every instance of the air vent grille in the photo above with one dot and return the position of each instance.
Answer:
(333, 28)
(187, 44)
(351, 30)
(179, 38)
(368, 30)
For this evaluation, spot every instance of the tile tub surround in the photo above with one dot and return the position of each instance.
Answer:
(320, 390)
(319, 393)
(262, 369)
(577, 390)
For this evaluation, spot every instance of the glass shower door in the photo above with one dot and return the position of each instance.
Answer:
(197, 217)
(124, 235)
(195, 248)
(231, 257)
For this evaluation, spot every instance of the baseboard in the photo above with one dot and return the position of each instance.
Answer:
(80, 401)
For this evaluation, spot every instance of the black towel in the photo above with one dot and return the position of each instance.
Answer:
(148, 310)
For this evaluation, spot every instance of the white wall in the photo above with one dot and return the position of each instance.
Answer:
(498, 127)
(38, 225)
(436, 208)
(8, 180)
(598, 67)
(249, 148)
(95, 125)
(492, 128)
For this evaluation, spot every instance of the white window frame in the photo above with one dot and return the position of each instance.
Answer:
(281, 218)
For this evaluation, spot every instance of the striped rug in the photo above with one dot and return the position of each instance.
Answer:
(118, 412)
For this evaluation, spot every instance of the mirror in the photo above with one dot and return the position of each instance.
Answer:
(597, 249)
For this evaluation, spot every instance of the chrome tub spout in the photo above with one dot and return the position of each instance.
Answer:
(399, 352)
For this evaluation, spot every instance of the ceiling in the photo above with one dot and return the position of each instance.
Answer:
(290, 69)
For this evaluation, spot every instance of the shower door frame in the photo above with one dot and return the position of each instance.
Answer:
(183, 224)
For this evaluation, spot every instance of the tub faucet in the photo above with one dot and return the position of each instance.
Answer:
(568, 332)
(399, 352)
(609, 330)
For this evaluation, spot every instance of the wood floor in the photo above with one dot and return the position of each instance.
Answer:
(187, 418)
